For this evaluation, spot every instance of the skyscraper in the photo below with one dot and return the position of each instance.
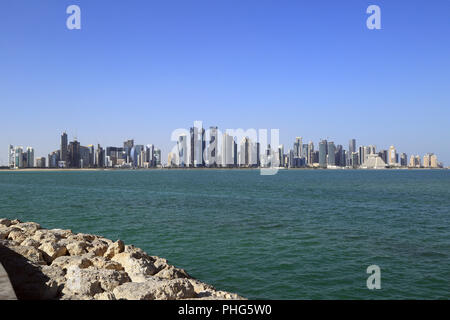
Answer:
(280, 153)
(392, 156)
(11, 156)
(18, 157)
(404, 160)
(384, 154)
(323, 153)
(63, 149)
(100, 157)
(53, 159)
(340, 156)
(171, 159)
(30, 157)
(84, 157)
(355, 160)
(305, 154)
(361, 155)
(228, 151)
(212, 147)
(150, 155)
(434, 161)
(235, 154)
(244, 153)
(426, 160)
(157, 157)
(310, 153)
(417, 161)
(197, 145)
(352, 146)
(366, 152)
(135, 154)
(74, 156)
(331, 160)
(127, 146)
(298, 147)
(182, 150)
(258, 154)
(91, 156)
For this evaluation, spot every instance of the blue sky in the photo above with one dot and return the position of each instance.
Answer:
(140, 69)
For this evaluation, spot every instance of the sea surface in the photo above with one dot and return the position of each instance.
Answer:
(300, 234)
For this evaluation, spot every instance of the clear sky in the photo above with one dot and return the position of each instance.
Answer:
(140, 69)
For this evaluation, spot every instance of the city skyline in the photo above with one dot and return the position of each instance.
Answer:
(213, 148)
(142, 69)
(167, 147)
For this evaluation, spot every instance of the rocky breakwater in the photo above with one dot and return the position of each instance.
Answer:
(58, 264)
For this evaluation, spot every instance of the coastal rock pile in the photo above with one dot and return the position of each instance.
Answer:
(58, 264)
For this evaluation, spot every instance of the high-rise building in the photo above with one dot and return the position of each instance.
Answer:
(84, 157)
(157, 157)
(212, 147)
(291, 163)
(29, 158)
(384, 155)
(331, 159)
(367, 150)
(316, 157)
(434, 161)
(228, 151)
(100, 157)
(182, 151)
(280, 156)
(74, 157)
(141, 163)
(63, 149)
(355, 160)
(172, 159)
(414, 161)
(340, 156)
(18, 157)
(418, 162)
(268, 157)
(310, 160)
(305, 155)
(361, 155)
(298, 147)
(149, 156)
(91, 156)
(404, 160)
(426, 161)
(53, 159)
(40, 162)
(235, 154)
(127, 146)
(351, 149)
(135, 154)
(352, 146)
(116, 156)
(11, 157)
(245, 152)
(258, 154)
(392, 156)
(323, 153)
(197, 134)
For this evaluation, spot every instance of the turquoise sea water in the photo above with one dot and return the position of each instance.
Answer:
(301, 234)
